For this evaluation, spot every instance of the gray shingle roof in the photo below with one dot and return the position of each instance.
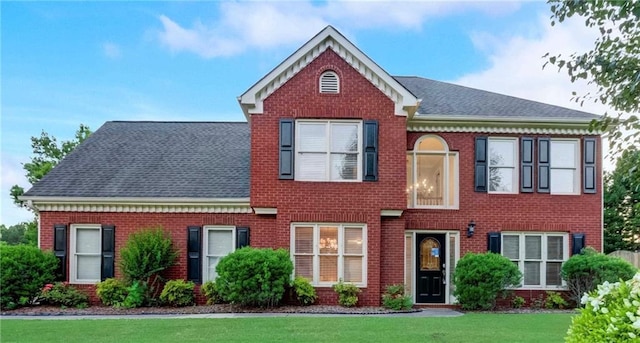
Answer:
(155, 159)
(441, 98)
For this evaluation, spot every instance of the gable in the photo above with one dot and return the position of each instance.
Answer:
(252, 100)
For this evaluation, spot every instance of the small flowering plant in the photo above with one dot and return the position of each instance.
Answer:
(611, 313)
(62, 294)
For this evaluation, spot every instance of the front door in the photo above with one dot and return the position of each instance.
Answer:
(430, 268)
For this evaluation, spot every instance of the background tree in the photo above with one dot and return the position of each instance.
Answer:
(47, 153)
(613, 65)
(23, 233)
(622, 204)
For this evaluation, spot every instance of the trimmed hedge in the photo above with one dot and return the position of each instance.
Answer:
(24, 270)
(583, 272)
(481, 278)
(254, 277)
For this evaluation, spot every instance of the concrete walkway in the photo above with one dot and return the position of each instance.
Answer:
(419, 314)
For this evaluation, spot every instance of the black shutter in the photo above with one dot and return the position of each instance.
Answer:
(194, 253)
(370, 149)
(242, 237)
(544, 160)
(589, 165)
(577, 243)
(493, 242)
(526, 165)
(60, 250)
(286, 158)
(481, 164)
(108, 251)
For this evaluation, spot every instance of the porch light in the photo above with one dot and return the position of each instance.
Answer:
(471, 228)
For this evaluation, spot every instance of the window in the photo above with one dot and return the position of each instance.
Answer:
(329, 82)
(564, 161)
(503, 159)
(432, 175)
(324, 253)
(538, 255)
(328, 150)
(86, 253)
(218, 242)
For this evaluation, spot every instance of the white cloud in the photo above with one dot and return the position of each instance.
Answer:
(516, 66)
(12, 174)
(111, 50)
(263, 25)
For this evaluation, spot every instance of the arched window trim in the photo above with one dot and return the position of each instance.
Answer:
(446, 153)
(329, 82)
(425, 137)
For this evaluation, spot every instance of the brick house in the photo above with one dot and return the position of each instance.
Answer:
(362, 176)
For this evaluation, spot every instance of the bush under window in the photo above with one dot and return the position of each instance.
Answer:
(65, 295)
(481, 278)
(254, 277)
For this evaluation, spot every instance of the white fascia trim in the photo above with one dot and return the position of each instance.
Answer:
(252, 100)
(391, 213)
(125, 204)
(500, 125)
(265, 210)
(497, 119)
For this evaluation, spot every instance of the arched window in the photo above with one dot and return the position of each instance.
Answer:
(432, 174)
(329, 82)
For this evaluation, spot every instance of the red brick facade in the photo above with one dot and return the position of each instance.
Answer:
(357, 202)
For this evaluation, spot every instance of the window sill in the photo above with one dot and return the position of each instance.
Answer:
(84, 282)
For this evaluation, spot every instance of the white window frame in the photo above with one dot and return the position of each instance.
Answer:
(73, 261)
(205, 246)
(341, 254)
(514, 167)
(327, 151)
(576, 169)
(456, 174)
(543, 261)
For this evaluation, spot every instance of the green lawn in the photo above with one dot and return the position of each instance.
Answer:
(474, 327)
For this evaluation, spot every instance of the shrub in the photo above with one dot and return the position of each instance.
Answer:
(584, 271)
(517, 302)
(145, 255)
(136, 295)
(254, 277)
(211, 292)
(24, 270)
(112, 292)
(395, 298)
(555, 300)
(481, 278)
(305, 292)
(178, 293)
(347, 293)
(611, 313)
(62, 294)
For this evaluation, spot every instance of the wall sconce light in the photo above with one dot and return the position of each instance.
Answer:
(471, 228)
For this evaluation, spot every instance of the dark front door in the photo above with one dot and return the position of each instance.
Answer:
(430, 268)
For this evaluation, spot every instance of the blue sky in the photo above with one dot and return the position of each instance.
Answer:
(66, 63)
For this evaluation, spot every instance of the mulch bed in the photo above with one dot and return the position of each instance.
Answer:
(45, 310)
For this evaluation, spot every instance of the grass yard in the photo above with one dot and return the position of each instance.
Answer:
(474, 327)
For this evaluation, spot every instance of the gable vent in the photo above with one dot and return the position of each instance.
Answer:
(329, 83)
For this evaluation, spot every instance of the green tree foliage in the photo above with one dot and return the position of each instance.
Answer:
(613, 64)
(622, 204)
(47, 153)
(23, 233)
(481, 278)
